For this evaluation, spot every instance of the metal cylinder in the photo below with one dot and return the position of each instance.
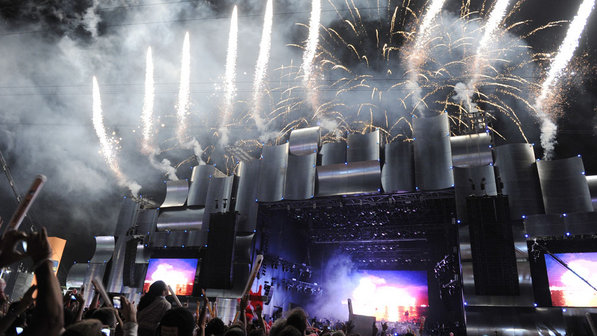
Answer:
(564, 186)
(517, 176)
(304, 141)
(300, 178)
(592, 182)
(176, 194)
(272, 173)
(333, 153)
(199, 184)
(363, 147)
(350, 178)
(397, 173)
(180, 220)
(471, 150)
(433, 158)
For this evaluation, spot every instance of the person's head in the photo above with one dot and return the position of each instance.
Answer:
(106, 316)
(236, 329)
(298, 319)
(290, 331)
(215, 327)
(90, 327)
(157, 289)
(178, 321)
(277, 327)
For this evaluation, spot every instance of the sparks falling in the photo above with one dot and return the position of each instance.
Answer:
(262, 62)
(312, 40)
(106, 144)
(559, 63)
(230, 79)
(148, 101)
(417, 56)
(184, 91)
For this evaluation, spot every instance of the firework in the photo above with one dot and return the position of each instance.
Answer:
(107, 144)
(262, 62)
(184, 91)
(230, 79)
(559, 63)
(312, 40)
(147, 114)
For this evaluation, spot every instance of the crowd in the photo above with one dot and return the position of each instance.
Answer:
(54, 313)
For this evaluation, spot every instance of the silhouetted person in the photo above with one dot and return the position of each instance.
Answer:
(152, 307)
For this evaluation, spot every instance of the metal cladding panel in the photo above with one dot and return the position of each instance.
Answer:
(76, 275)
(176, 194)
(247, 187)
(116, 276)
(397, 173)
(564, 186)
(177, 238)
(560, 226)
(142, 256)
(304, 141)
(300, 177)
(333, 153)
(350, 178)
(180, 220)
(272, 173)
(517, 173)
(242, 248)
(146, 221)
(592, 182)
(433, 157)
(127, 216)
(196, 238)
(219, 194)
(363, 147)
(104, 248)
(199, 184)
(471, 150)
(159, 239)
(472, 181)
(519, 321)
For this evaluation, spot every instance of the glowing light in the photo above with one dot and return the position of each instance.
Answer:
(230, 88)
(184, 91)
(312, 40)
(262, 61)
(558, 64)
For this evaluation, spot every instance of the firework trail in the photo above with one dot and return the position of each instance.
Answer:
(106, 143)
(261, 67)
(464, 92)
(147, 122)
(558, 64)
(312, 40)
(184, 91)
(229, 81)
(416, 58)
(184, 104)
(147, 114)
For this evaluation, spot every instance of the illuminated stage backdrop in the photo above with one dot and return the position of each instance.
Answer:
(178, 273)
(566, 288)
(393, 296)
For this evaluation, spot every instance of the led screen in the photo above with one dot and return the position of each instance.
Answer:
(393, 296)
(568, 289)
(178, 273)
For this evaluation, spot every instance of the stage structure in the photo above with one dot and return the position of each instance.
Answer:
(456, 209)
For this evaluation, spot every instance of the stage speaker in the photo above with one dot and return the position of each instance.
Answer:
(132, 275)
(216, 266)
(492, 246)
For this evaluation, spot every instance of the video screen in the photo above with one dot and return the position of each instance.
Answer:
(393, 296)
(568, 289)
(178, 273)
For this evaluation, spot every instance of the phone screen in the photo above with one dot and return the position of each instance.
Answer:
(105, 331)
(19, 330)
(116, 302)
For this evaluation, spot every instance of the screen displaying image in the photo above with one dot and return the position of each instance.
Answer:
(178, 273)
(395, 296)
(568, 289)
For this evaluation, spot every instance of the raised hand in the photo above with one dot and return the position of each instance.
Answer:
(8, 244)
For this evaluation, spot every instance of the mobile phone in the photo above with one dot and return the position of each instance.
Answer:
(116, 302)
(73, 298)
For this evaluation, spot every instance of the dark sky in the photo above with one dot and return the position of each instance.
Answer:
(52, 48)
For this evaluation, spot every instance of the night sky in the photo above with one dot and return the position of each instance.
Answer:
(50, 51)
